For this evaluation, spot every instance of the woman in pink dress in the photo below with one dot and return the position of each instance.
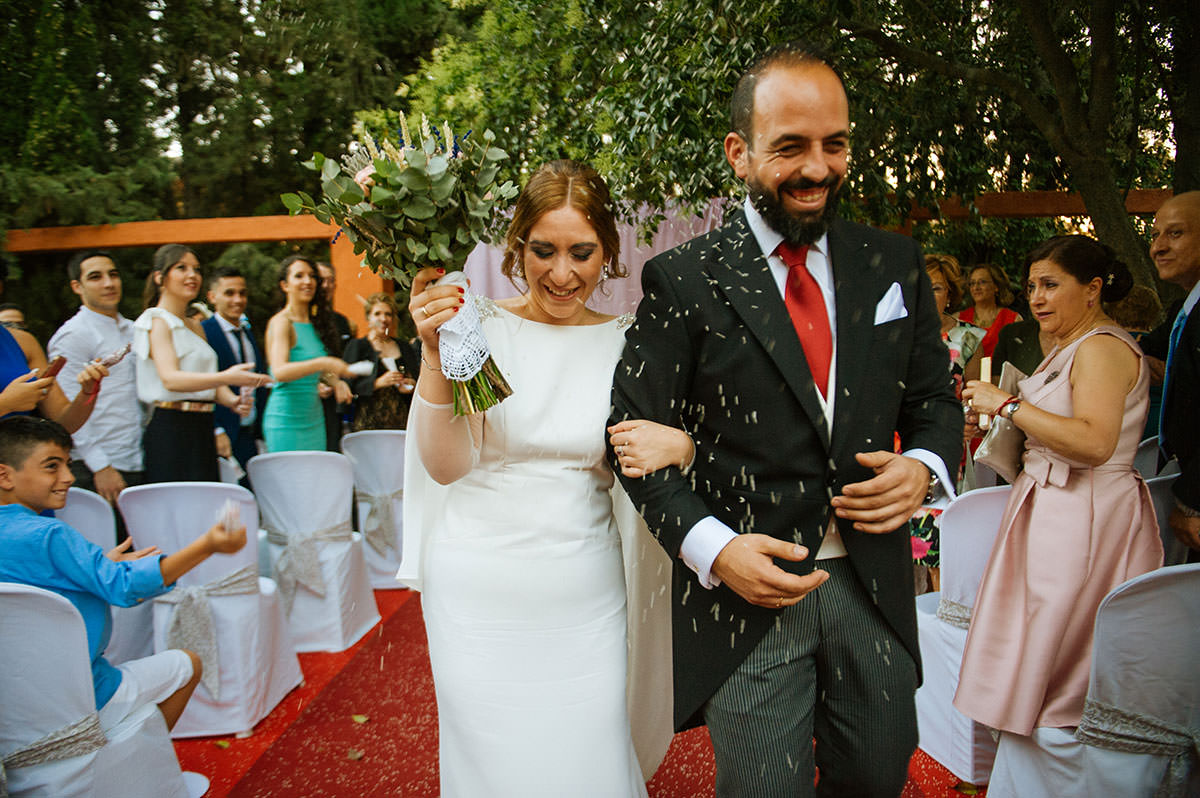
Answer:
(990, 295)
(1079, 520)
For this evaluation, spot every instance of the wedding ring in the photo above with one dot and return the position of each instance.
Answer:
(425, 310)
(779, 604)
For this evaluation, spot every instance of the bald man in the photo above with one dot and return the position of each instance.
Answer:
(1175, 248)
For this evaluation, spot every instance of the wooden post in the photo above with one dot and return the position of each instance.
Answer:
(355, 282)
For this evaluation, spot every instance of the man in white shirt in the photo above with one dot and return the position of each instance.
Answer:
(108, 452)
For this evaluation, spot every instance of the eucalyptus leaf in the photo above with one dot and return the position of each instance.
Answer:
(413, 179)
(386, 169)
(329, 169)
(443, 187)
(416, 159)
(419, 208)
(417, 249)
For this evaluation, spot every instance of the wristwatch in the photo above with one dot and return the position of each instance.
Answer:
(1012, 407)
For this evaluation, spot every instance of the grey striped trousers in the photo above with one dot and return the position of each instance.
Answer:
(830, 669)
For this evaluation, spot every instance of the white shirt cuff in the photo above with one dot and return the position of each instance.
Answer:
(945, 493)
(95, 459)
(702, 544)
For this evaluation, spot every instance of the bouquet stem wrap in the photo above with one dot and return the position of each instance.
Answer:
(466, 358)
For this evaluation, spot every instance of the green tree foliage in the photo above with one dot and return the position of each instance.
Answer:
(158, 109)
(950, 97)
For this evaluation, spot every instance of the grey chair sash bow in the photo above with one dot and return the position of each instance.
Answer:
(379, 527)
(192, 625)
(300, 563)
(81, 737)
(954, 613)
(1116, 729)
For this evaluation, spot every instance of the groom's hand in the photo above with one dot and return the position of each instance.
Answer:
(888, 499)
(746, 566)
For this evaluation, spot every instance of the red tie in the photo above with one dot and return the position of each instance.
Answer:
(806, 305)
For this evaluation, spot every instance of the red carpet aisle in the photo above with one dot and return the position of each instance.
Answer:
(226, 759)
(364, 725)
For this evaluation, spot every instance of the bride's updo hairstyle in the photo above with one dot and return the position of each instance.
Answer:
(555, 185)
(1085, 259)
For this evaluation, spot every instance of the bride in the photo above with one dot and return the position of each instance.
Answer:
(524, 590)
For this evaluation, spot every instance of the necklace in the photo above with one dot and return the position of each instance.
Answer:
(985, 319)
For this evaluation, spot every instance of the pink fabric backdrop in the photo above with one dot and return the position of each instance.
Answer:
(616, 296)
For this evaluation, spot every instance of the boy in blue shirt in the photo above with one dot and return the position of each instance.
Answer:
(46, 553)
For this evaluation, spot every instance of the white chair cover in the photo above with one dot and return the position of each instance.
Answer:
(1174, 552)
(302, 495)
(46, 687)
(968, 529)
(1140, 734)
(256, 665)
(377, 457)
(229, 470)
(132, 627)
(1146, 458)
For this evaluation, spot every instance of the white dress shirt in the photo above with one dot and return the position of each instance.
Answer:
(112, 435)
(709, 536)
(239, 346)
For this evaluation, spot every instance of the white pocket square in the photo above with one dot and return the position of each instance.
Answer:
(891, 307)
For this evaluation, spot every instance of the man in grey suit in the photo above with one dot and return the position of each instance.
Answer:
(793, 347)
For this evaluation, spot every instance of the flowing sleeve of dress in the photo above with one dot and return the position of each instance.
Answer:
(423, 496)
(648, 685)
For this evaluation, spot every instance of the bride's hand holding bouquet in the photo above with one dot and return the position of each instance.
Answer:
(431, 304)
(421, 205)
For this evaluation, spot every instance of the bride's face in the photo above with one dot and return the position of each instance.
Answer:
(563, 262)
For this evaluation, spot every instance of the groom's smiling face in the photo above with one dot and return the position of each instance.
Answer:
(795, 160)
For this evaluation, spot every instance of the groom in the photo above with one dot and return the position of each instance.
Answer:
(792, 345)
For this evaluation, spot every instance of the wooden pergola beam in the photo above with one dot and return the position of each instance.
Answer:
(1036, 204)
(173, 231)
(353, 282)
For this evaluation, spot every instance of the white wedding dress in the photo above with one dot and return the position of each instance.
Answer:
(523, 583)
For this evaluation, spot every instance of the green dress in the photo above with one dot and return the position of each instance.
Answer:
(294, 420)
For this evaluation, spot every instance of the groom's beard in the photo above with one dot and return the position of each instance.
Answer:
(796, 229)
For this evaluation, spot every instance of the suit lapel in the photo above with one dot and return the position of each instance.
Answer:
(742, 275)
(854, 300)
(219, 342)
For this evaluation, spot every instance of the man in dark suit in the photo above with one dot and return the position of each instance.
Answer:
(230, 336)
(793, 613)
(1175, 248)
(346, 330)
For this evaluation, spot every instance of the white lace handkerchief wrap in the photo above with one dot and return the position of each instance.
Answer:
(300, 563)
(192, 625)
(461, 343)
(380, 523)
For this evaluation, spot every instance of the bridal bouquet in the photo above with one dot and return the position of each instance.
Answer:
(425, 200)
